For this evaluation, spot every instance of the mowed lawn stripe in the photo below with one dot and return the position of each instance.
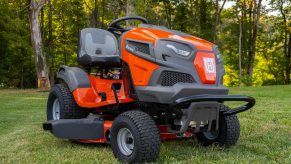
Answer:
(265, 133)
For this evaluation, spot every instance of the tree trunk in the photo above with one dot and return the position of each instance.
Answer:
(130, 10)
(239, 44)
(50, 44)
(37, 44)
(288, 59)
(64, 38)
(287, 43)
(239, 52)
(216, 20)
(249, 22)
(253, 38)
(22, 73)
(42, 24)
(95, 12)
(203, 25)
(244, 49)
(168, 10)
(94, 21)
(193, 16)
(103, 14)
(194, 12)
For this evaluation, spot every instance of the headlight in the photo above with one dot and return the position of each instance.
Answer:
(175, 48)
(178, 51)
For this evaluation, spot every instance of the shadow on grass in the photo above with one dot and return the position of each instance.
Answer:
(180, 143)
(87, 144)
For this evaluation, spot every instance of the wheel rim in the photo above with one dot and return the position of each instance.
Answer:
(211, 135)
(125, 141)
(56, 110)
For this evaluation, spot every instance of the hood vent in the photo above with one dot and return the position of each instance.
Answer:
(140, 47)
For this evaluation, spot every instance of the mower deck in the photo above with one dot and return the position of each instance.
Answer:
(94, 131)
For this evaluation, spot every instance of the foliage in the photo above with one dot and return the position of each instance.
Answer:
(195, 17)
(16, 58)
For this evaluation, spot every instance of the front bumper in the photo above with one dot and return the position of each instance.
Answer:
(169, 95)
(200, 108)
(218, 98)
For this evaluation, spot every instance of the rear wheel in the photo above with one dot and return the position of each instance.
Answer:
(227, 134)
(135, 137)
(61, 104)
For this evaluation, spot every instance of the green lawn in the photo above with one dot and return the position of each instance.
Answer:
(265, 134)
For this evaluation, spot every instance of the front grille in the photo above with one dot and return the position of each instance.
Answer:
(171, 78)
(141, 47)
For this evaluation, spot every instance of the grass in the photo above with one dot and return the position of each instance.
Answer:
(265, 134)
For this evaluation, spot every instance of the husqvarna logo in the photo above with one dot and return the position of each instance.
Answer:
(209, 65)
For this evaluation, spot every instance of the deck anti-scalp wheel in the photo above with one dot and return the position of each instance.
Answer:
(135, 137)
(227, 134)
(61, 104)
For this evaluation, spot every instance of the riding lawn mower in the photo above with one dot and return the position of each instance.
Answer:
(152, 84)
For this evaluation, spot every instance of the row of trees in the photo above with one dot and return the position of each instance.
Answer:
(254, 36)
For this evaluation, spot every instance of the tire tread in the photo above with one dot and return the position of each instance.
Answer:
(149, 145)
(229, 131)
(70, 109)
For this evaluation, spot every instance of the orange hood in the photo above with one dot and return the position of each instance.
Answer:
(151, 35)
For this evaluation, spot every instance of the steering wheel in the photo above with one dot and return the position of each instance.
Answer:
(118, 29)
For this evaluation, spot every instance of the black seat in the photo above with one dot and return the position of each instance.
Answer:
(97, 47)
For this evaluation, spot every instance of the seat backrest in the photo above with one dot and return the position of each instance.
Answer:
(97, 42)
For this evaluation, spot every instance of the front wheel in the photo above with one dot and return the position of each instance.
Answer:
(135, 137)
(227, 134)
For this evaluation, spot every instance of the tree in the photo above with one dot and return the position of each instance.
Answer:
(255, 45)
(205, 19)
(168, 10)
(94, 20)
(250, 21)
(130, 10)
(37, 43)
(50, 44)
(255, 9)
(239, 43)
(216, 18)
(283, 6)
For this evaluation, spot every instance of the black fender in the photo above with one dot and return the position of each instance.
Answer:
(74, 77)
